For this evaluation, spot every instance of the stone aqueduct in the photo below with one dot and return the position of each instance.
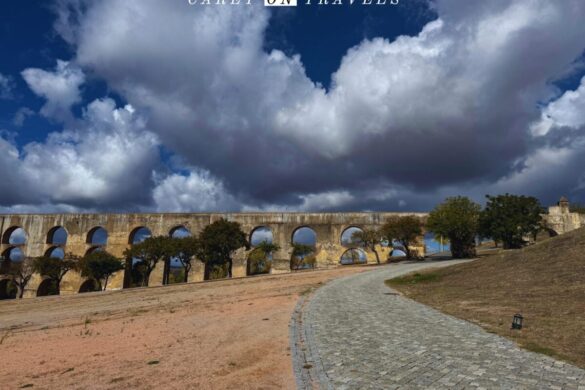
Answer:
(121, 228)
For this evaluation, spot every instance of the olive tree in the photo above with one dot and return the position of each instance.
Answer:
(457, 218)
(21, 273)
(509, 218)
(406, 230)
(368, 238)
(219, 241)
(150, 252)
(100, 266)
(55, 268)
(185, 250)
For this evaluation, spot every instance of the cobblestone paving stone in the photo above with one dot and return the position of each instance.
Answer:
(363, 336)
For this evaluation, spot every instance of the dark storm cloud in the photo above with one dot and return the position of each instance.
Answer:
(403, 124)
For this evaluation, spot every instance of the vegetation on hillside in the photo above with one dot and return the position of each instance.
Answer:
(509, 219)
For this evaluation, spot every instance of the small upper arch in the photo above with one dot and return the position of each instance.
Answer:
(304, 235)
(261, 234)
(139, 234)
(347, 238)
(97, 236)
(14, 235)
(57, 236)
(179, 231)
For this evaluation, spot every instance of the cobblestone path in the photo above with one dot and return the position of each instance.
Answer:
(360, 335)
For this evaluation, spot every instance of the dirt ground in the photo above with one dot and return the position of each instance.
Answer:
(230, 334)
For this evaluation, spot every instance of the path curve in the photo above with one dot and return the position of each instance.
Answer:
(356, 333)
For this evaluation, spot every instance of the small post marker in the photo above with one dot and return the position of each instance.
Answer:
(517, 321)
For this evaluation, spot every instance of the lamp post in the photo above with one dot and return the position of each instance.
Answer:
(517, 321)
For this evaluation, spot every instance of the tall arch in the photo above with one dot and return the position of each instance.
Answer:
(89, 285)
(48, 287)
(304, 242)
(7, 289)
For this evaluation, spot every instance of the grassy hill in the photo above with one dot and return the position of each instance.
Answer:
(545, 282)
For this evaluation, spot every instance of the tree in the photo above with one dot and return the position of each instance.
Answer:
(405, 230)
(258, 260)
(99, 266)
(149, 252)
(55, 268)
(302, 255)
(457, 218)
(509, 218)
(219, 241)
(21, 272)
(185, 249)
(369, 238)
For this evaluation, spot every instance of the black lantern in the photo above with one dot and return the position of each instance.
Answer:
(517, 321)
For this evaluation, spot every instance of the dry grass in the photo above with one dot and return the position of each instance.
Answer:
(545, 282)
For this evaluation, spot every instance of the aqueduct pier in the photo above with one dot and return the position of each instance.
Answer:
(119, 233)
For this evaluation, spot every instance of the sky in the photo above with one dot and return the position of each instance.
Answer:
(147, 105)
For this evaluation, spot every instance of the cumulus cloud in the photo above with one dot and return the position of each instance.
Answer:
(106, 161)
(196, 191)
(60, 88)
(421, 112)
(457, 108)
(568, 110)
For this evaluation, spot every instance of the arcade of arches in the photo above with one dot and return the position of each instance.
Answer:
(330, 234)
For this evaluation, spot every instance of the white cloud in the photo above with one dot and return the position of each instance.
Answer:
(106, 161)
(197, 191)
(568, 110)
(60, 88)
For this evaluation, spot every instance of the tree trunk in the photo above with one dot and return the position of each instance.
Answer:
(463, 249)
(187, 270)
(146, 277)
(376, 253)
(105, 283)
(408, 252)
(230, 263)
(206, 271)
(20, 290)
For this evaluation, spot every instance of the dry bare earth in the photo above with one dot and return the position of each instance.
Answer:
(224, 334)
(545, 282)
